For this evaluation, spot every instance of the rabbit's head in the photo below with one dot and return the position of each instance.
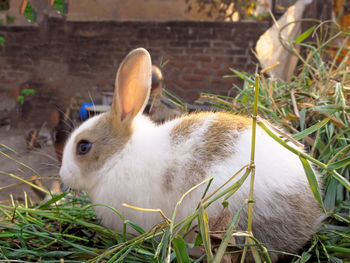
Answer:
(103, 136)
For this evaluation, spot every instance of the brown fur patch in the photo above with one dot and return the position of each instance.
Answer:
(106, 141)
(220, 134)
(214, 145)
(188, 124)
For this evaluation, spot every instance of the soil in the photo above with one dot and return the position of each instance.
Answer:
(43, 160)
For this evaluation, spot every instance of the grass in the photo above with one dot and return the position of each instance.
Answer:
(314, 107)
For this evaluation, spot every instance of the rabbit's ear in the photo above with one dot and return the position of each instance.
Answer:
(132, 85)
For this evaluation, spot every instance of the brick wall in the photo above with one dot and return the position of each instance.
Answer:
(81, 58)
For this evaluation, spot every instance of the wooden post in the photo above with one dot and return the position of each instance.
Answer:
(23, 6)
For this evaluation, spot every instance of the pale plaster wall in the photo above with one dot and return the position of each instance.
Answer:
(86, 10)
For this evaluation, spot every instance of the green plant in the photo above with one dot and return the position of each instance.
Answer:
(25, 92)
(61, 6)
(29, 13)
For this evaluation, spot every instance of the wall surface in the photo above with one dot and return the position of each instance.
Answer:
(81, 58)
(133, 10)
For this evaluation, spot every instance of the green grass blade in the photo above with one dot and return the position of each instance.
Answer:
(233, 225)
(54, 199)
(180, 248)
(305, 35)
(341, 179)
(242, 76)
(339, 164)
(311, 177)
(204, 230)
(2, 41)
(311, 129)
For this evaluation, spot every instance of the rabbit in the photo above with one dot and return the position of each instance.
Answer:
(121, 156)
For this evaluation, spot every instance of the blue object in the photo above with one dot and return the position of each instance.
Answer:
(83, 113)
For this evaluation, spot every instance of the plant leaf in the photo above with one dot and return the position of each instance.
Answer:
(242, 76)
(311, 129)
(311, 177)
(54, 199)
(204, 230)
(339, 164)
(180, 250)
(305, 35)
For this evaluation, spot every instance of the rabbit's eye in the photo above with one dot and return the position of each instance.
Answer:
(83, 147)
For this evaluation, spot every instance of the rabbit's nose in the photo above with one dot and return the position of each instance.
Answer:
(64, 187)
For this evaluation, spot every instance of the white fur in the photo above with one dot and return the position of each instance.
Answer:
(70, 171)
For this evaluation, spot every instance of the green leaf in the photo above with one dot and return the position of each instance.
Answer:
(136, 227)
(305, 257)
(341, 179)
(311, 129)
(29, 13)
(328, 109)
(227, 237)
(180, 250)
(2, 41)
(242, 76)
(26, 92)
(305, 35)
(311, 177)
(339, 164)
(204, 230)
(198, 240)
(20, 99)
(54, 199)
(58, 254)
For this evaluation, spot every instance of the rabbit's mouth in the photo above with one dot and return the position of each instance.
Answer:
(65, 188)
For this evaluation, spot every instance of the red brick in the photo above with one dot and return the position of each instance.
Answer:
(180, 83)
(214, 79)
(211, 51)
(194, 51)
(183, 64)
(194, 77)
(226, 59)
(222, 44)
(211, 65)
(202, 71)
(201, 58)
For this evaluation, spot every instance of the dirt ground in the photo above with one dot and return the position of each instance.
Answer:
(42, 160)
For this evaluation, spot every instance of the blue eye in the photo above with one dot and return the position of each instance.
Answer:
(83, 147)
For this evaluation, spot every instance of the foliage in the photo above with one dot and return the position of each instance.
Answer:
(29, 13)
(61, 6)
(2, 41)
(25, 92)
(223, 9)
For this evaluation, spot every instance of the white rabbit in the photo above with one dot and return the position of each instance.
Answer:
(122, 157)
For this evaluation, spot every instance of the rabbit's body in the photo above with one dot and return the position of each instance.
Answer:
(152, 166)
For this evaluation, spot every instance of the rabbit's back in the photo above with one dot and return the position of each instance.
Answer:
(285, 213)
